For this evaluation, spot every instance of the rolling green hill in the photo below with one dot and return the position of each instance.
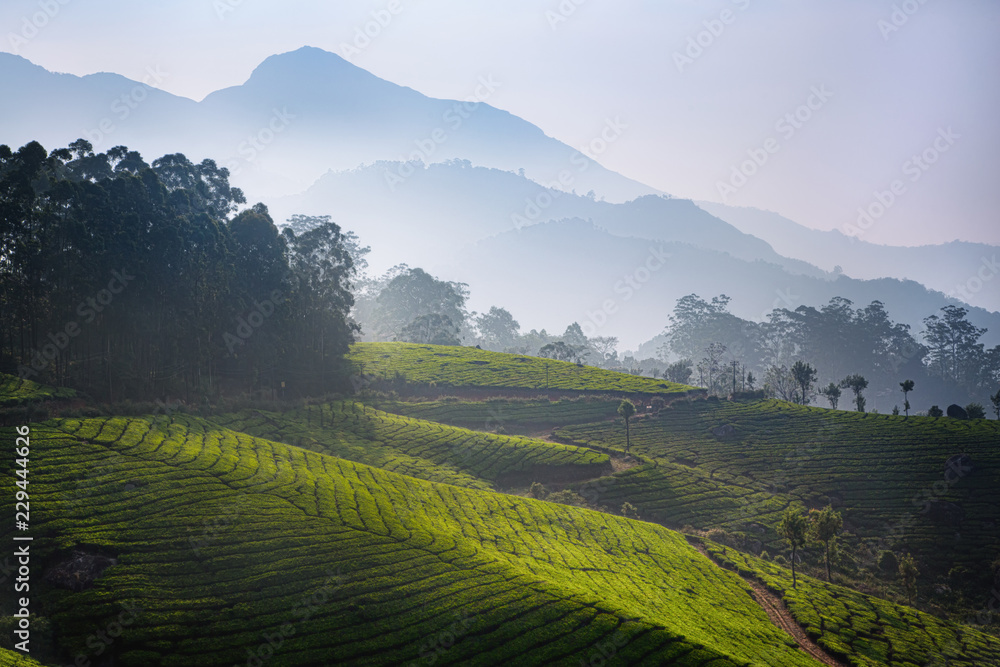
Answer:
(418, 448)
(738, 465)
(866, 631)
(217, 541)
(464, 367)
(514, 415)
(15, 391)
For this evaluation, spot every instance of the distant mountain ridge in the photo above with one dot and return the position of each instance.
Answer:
(298, 115)
(968, 272)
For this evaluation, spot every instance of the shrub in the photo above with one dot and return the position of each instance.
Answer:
(629, 511)
(538, 491)
(975, 411)
(887, 562)
(935, 411)
(567, 497)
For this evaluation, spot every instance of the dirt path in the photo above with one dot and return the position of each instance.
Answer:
(781, 617)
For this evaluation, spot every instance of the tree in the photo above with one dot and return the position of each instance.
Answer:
(498, 329)
(414, 292)
(908, 574)
(782, 383)
(794, 527)
(995, 399)
(679, 372)
(826, 525)
(857, 384)
(906, 386)
(975, 411)
(560, 351)
(954, 344)
(804, 375)
(710, 363)
(935, 411)
(626, 409)
(605, 347)
(832, 393)
(751, 380)
(431, 329)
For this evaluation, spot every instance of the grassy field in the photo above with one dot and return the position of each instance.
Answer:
(738, 465)
(512, 415)
(864, 630)
(418, 448)
(465, 367)
(227, 546)
(14, 391)
(10, 658)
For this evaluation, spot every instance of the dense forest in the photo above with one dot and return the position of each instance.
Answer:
(141, 281)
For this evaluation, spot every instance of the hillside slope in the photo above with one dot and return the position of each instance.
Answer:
(930, 486)
(418, 448)
(444, 367)
(228, 546)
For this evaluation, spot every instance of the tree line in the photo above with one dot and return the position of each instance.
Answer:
(143, 281)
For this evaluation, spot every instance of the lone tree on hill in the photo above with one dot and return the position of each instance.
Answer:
(908, 573)
(857, 384)
(794, 527)
(832, 393)
(907, 387)
(626, 409)
(826, 525)
(935, 411)
(804, 375)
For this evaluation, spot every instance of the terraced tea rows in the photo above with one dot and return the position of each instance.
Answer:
(513, 415)
(464, 367)
(890, 475)
(16, 391)
(10, 658)
(868, 631)
(423, 449)
(231, 549)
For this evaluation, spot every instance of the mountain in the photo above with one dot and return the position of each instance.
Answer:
(555, 273)
(444, 207)
(965, 271)
(299, 115)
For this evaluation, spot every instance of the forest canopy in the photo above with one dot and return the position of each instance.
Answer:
(135, 280)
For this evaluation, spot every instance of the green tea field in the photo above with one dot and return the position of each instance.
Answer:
(930, 486)
(419, 448)
(222, 548)
(444, 367)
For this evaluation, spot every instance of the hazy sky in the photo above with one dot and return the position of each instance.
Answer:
(701, 86)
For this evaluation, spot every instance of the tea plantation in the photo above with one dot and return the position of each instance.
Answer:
(926, 485)
(418, 448)
(15, 391)
(464, 367)
(228, 549)
(513, 415)
(866, 630)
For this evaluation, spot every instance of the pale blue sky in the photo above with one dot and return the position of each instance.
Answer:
(688, 123)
